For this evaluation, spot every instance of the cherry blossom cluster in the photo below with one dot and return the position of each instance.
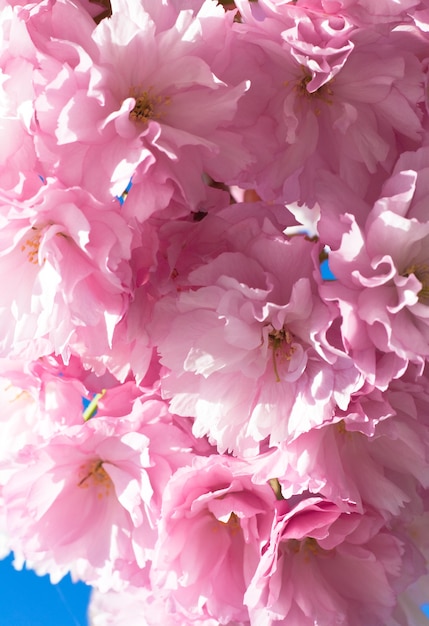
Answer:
(214, 241)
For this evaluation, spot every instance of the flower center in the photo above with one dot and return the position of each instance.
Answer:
(324, 93)
(307, 547)
(421, 272)
(280, 342)
(233, 524)
(31, 246)
(148, 106)
(94, 474)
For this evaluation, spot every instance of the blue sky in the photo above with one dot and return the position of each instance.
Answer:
(30, 600)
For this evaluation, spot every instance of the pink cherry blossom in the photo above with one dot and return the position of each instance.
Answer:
(244, 342)
(18, 58)
(364, 12)
(326, 566)
(213, 525)
(84, 490)
(385, 471)
(117, 119)
(318, 85)
(214, 340)
(110, 460)
(65, 261)
(140, 607)
(381, 274)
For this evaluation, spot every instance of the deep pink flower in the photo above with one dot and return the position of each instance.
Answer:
(326, 566)
(385, 470)
(213, 524)
(420, 15)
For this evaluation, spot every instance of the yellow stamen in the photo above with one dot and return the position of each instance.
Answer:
(148, 106)
(31, 246)
(93, 474)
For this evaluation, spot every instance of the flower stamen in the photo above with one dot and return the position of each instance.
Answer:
(421, 272)
(148, 106)
(280, 342)
(323, 93)
(306, 546)
(233, 524)
(95, 474)
(31, 246)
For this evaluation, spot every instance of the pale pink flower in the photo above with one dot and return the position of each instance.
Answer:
(19, 393)
(140, 607)
(319, 86)
(243, 341)
(85, 491)
(64, 257)
(104, 117)
(381, 273)
(121, 446)
(4, 536)
(19, 165)
(130, 350)
(409, 609)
